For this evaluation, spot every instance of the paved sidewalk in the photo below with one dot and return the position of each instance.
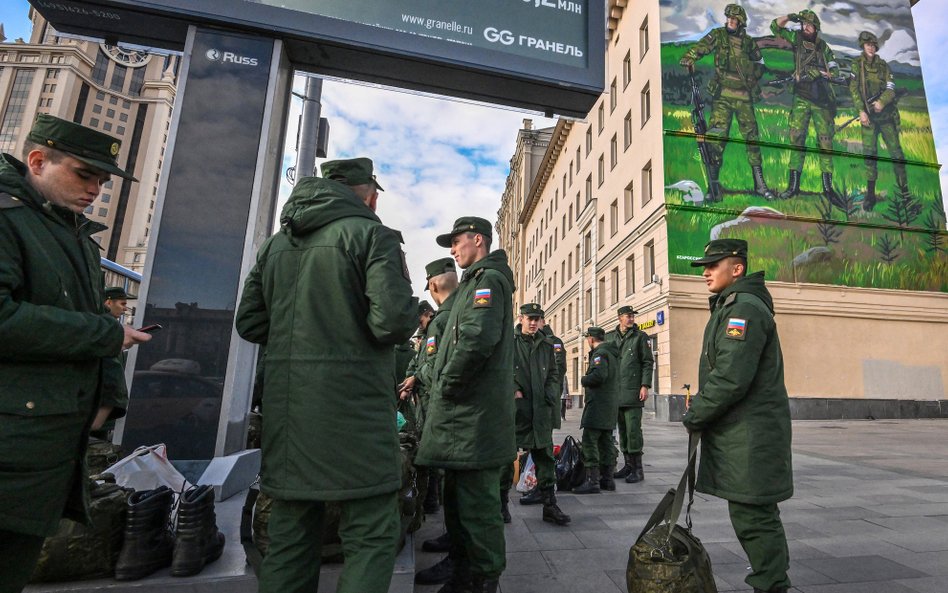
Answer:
(870, 515)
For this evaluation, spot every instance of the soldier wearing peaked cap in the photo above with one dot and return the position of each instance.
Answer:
(328, 353)
(60, 370)
(743, 413)
(601, 382)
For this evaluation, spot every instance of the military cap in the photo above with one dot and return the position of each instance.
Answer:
(424, 307)
(595, 332)
(808, 16)
(627, 310)
(736, 11)
(465, 224)
(117, 293)
(89, 146)
(868, 37)
(442, 265)
(718, 249)
(350, 171)
(531, 310)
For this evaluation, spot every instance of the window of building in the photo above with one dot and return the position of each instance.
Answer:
(614, 218)
(579, 157)
(120, 130)
(646, 103)
(602, 294)
(118, 78)
(614, 285)
(94, 122)
(627, 130)
(563, 236)
(648, 261)
(110, 113)
(107, 126)
(570, 217)
(589, 303)
(630, 275)
(138, 81)
(602, 117)
(99, 95)
(589, 187)
(16, 107)
(123, 117)
(562, 273)
(569, 313)
(613, 152)
(613, 95)
(643, 38)
(601, 170)
(601, 231)
(88, 210)
(100, 68)
(569, 264)
(647, 183)
(564, 184)
(628, 196)
(571, 172)
(126, 104)
(96, 108)
(627, 69)
(103, 211)
(579, 209)
(105, 198)
(588, 246)
(589, 140)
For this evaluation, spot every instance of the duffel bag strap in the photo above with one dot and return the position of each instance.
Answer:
(687, 480)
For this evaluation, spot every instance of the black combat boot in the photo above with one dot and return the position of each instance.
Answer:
(591, 485)
(637, 474)
(626, 469)
(504, 501)
(460, 581)
(869, 201)
(606, 481)
(551, 512)
(760, 186)
(532, 497)
(830, 193)
(483, 585)
(793, 185)
(430, 505)
(197, 539)
(440, 544)
(436, 574)
(148, 544)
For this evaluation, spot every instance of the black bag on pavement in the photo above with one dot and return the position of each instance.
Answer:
(570, 471)
(667, 557)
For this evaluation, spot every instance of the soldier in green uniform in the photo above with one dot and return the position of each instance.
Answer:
(329, 431)
(559, 355)
(60, 370)
(116, 301)
(813, 96)
(738, 66)
(537, 392)
(599, 416)
(635, 379)
(872, 80)
(470, 427)
(743, 412)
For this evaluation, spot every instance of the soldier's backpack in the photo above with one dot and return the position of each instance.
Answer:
(667, 557)
(78, 552)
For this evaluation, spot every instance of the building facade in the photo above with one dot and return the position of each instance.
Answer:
(126, 93)
(621, 204)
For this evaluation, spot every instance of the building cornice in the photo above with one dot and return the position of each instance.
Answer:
(553, 150)
(614, 11)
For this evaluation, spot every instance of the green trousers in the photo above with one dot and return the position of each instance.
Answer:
(889, 129)
(18, 555)
(724, 110)
(802, 112)
(472, 518)
(630, 430)
(546, 472)
(761, 534)
(598, 448)
(369, 529)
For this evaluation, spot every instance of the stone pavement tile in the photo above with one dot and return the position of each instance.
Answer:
(558, 540)
(849, 527)
(801, 575)
(906, 510)
(519, 541)
(893, 497)
(647, 499)
(618, 577)
(532, 563)
(732, 574)
(853, 546)
(879, 587)
(577, 523)
(799, 550)
(910, 524)
(860, 569)
(931, 563)
(606, 538)
(579, 561)
(722, 554)
(795, 530)
(840, 513)
(927, 585)
(927, 541)
(591, 582)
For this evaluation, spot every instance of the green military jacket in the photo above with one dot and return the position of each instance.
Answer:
(404, 354)
(559, 355)
(738, 64)
(58, 351)
(329, 297)
(535, 375)
(809, 60)
(470, 421)
(742, 407)
(420, 366)
(601, 381)
(871, 78)
(635, 364)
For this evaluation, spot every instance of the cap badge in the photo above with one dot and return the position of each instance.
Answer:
(114, 149)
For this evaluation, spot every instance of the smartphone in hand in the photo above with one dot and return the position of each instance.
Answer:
(150, 329)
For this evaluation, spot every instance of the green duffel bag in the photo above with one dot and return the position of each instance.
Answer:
(78, 552)
(667, 557)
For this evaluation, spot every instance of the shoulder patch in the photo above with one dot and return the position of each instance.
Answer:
(431, 346)
(597, 360)
(736, 328)
(557, 347)
(8, 201)
(482, 298)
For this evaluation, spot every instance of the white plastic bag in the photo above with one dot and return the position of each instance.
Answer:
(146, 469)
(528, 477)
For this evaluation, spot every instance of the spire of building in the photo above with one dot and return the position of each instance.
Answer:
(3, 36)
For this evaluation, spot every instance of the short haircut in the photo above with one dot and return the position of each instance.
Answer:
(737, 260)
(487, 238)
(363, 190)
(53, 155)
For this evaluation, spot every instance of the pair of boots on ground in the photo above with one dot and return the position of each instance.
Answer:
(149, 544)
(444, 572)
(544, 496)
(603, 477)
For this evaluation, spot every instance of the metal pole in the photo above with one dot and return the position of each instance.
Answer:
(309, 128)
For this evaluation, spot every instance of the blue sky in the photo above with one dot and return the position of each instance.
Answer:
(442, 159)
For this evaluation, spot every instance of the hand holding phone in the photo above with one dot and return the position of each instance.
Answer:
(149, 329)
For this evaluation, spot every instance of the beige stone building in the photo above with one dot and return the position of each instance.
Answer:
(128, 94)
(585, 226)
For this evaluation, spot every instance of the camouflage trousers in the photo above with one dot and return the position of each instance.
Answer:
(802, 112)
(724, 110)
(630, 430)
(889, 129)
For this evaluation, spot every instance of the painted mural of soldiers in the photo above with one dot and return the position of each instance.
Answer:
(813, 96)
(873, 92)
(738, 66)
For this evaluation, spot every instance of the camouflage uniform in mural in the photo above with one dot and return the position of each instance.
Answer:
(813, 96)
(873, 93)
(738, 66)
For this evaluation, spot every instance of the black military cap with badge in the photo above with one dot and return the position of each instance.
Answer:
(594, 332)
(626, 310)
(531, 310)
(117, 293)
(466, 224)
(85, 144)
(718, 249)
